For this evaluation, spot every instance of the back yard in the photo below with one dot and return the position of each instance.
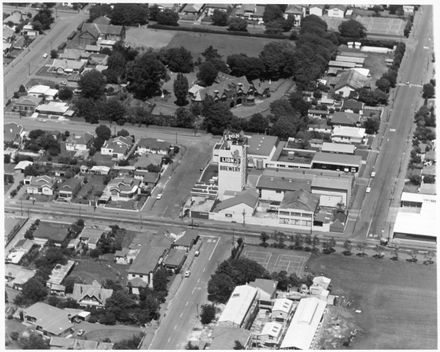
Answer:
(397, 300)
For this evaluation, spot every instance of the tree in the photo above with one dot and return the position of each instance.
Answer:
(383, 84)
(264, 237)
(104, 132)
(278, 59)
(190, 346)
(220, 287)
(34, 290)
(352, 29)
(34, 342)
(92, 84)
(153, 12)
(99, 10)
(297, 101)
(178, 59)
(116, 67)
(429, 179)
(315, 243)
(276, 26)
(114, 110)
(211, 54)
(181, 89)
(242, 65)
(160, 280)
(361, 248)
(145, 74)
(44, 16)
(184, 118)
(168, 17)
(217, 116)
(257, 123)
(123, 133)
(372, 125)
(129, 14)
(415, 179)
(271, 13)
(238, 345)
(348, 246)
(284, 128)
(128, 344)
(428, 91)
(237, 24)
(208, 314)
(207, 73)
(219, 18)
(65, 93)
(53, 54)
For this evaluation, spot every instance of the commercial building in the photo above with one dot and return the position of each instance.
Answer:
(298, 208)
(282, 309)
(236, 208)
(273, 188)
(231, 154)
(337, 188)
(260, 149)
(290, 156)
(266, 292)
(337, 162)
(241, 308)
(270, 335)
(339, 148)
(304, 324)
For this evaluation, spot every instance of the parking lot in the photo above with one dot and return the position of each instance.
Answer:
(275, 260)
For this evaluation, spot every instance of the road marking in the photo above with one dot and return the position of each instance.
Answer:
(204, 269)
(169, 339)
(212, 253)
(392, 130)
(198, 280)
(186, 303)
(181, 314)
(175, 327)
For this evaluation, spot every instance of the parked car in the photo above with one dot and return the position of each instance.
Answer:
(80, 332)
(187, 273)
(368, 190)
(159, 196)
(45, 55)
(197, 253)
(373, 174)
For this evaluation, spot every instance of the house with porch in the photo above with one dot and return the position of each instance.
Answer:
(41, 185)
(93, 295)
(90, 33)
(350, 81)
(26, 104)
(69, 188)
(117, 147)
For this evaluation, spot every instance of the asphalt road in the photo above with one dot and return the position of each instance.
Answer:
(184, 309)
(31, 59)
(390, 165)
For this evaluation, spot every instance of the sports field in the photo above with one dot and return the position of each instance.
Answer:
(398, 300)
(148, 38)
(275, 260)
(382, 25)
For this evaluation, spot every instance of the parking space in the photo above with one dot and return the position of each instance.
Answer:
(275, 259)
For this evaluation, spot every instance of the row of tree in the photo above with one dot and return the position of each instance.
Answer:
(123, 14)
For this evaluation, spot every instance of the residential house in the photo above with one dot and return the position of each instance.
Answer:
(340, 118)
(337, 11)
(191, 11)
(266, 292)
(270, 335)
(41, 185)
(43, 91)
(210, 8)
(140, 273)
(57, 276)
(298, 208)
(21, 248)
(77, 142)
(99, 170)
(224, 337)
(296, 11)
(92, 49)
(117, 147)
(63, 343)
(282, 309)
(47, 319)
(317, 114)
(250, 12)
(174, 260)
(65, 66)
(148, 179)
(26, 104)
(408, 10)
(350, 81)
(321, 127)
(53, 108)
(152, 145)
(352, 105)
(317, 10)
(90, 236)
(29, 31)
(126, 256)
(123, 188)
(236, 208)
(186, 240)
(13, 134)
(98, 59)
(16, 276)
(91, 32)
(73, 54)
(23, 165)
(16, 17)
(8, 36)
(344, 134)
(241, 308)
(93, 295)
(69, 188)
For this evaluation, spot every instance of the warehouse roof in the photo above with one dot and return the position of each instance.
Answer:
(261, 144)
(423, 223)
(337, 159)
(248, 197)
(238, 305)
(338, 148)
(332, 182)
(224, 337)
(282, 183)
(300, 199)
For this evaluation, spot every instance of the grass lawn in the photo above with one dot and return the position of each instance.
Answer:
(89, 269)
(149, 38)
(94, 184)
(377, 65)
(114, 334)
(51, 230)
(225, 44)
(397, 300)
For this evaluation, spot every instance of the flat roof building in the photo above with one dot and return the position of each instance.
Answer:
(340, 148)
(260, 149)
(338, 162)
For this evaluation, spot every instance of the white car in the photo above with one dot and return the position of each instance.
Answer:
(373, 174)
(45, 55)
(159, 196)
(368, 190)
(197, 253)
(187, 273)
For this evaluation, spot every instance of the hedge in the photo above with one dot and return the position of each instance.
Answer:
(370, 42)
(214, 31)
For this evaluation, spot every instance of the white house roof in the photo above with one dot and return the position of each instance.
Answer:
(345, 131)
(54, 107)
(39, 89)
(337, 159)
(283, 305)
(23, 165)
(423, 223)
(273, 329)
(321, 281)
(304, 324)
(241, 299)
(338, 148)
(418, 197)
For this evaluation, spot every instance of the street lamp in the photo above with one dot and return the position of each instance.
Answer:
(244, 215)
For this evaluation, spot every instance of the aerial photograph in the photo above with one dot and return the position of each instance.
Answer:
(219, 176)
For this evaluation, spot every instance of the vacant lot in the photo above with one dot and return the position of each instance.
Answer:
(397, 300)
(377, 65)
(148, 38)
(225, 44)
(275, 259)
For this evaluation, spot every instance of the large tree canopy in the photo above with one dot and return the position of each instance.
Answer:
(352, 29)
(207, 73)
(92, 84)
(129, 14)
(178, 59)
(278, 59)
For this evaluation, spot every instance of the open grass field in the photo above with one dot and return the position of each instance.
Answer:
(377, 65)
(382, 25)
(274, 259)
(148, 38)
(99, 332)
(397, 300)
(225, 44)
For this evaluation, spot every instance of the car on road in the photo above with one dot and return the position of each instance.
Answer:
(197, 253)
(407, 83)
(45, 55)
(187, 273)
(80, 332)
(373, 174)
(159, 196)
(368, 190)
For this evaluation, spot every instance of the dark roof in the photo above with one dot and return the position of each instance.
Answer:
(301, 199)
(339, 183)
(224, 337)
(268, 286)
(345, 118)
(282, 183)
(352, 104)
(175, 257)
(147, 259)
(352, 79)
(96, 29)
(70, 184)
(153, 143)
(102, 20)
(248, 197)
(187, 239)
